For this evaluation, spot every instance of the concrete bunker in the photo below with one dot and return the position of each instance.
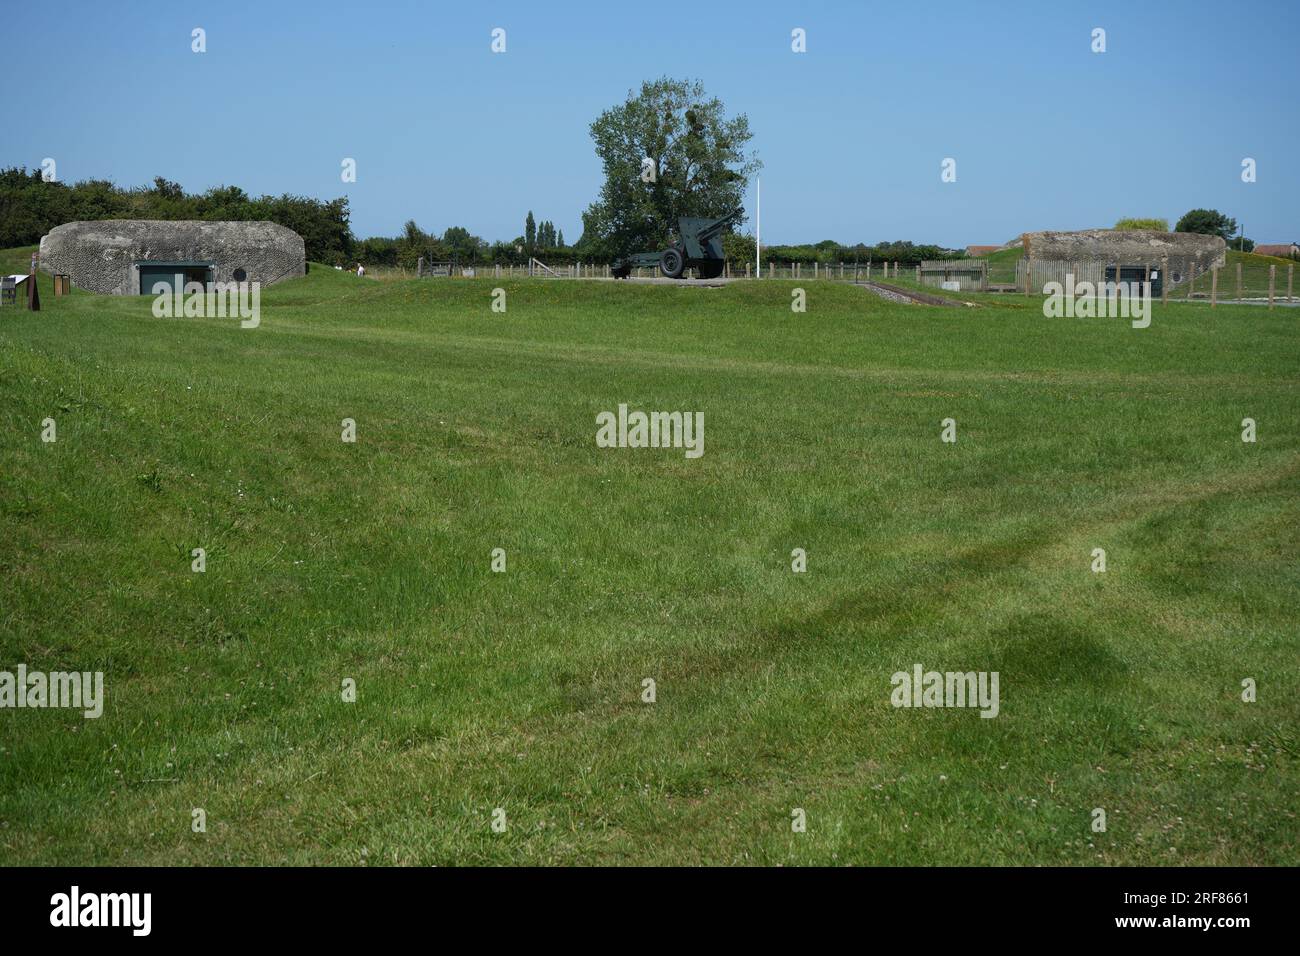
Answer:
(145, 256)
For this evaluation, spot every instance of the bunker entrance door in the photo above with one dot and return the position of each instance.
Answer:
(170, 274)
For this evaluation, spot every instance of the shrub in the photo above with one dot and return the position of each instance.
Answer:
(1159, 225)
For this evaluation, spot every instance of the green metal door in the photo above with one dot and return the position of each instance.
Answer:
(151, 276)
(172, 274)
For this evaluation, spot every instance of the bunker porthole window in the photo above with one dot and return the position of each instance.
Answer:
(240, 275)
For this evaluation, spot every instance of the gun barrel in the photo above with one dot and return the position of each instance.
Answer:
(717, 225)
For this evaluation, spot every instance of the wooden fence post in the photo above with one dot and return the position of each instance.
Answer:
(1164, 283)
(1272, 275)
(1289, 269)
(1238, 281)
(1214, 286)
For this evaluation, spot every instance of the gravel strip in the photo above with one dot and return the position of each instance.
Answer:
(891, 296)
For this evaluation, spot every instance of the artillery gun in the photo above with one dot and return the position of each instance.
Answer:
(698, 247)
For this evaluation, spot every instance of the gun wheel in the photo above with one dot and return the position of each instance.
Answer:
(672, 263)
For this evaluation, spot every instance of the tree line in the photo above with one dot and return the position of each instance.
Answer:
(740, 248)
(30, 207)
(460, 246)
(615, 225)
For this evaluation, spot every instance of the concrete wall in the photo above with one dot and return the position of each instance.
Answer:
(101, 256)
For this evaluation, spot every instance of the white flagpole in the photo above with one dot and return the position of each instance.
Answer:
(758, 229)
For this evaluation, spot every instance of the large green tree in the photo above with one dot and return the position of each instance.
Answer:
(700, 166)
(462, 244)
(1207, 222)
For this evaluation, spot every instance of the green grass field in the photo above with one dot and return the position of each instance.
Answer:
(522, 690)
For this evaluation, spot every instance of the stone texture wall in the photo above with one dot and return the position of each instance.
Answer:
(1129, 247)
(101, 256)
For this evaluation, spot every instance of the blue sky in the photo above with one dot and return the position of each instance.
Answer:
(1046, 134)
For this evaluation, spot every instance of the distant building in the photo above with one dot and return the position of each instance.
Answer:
(981, 250)
(1286, 250)
(135, 256)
